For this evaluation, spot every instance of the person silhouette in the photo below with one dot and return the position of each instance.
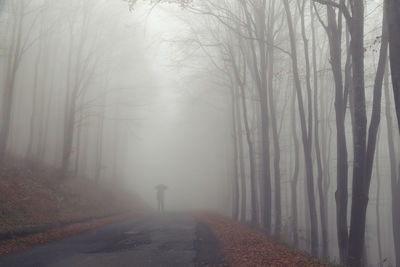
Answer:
(160, 196)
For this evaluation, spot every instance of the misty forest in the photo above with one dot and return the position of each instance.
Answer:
(269, 126)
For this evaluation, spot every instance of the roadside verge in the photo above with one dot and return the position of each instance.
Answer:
(243, 246)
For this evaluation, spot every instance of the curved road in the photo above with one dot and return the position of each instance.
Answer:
(162, 240)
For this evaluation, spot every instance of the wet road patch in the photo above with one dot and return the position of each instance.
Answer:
(130, 241)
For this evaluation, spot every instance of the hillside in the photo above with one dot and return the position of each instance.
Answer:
(34, 198)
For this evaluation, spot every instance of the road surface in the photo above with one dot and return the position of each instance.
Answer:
(162, 240)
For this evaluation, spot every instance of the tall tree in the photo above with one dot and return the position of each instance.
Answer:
(307, 145)
(394, 180)
(20, 40)
(274, 124)
(240, 76)
(81, 67)
(256, 31)
(334, 33)
(320, 173)
(364, 149)
(393, 13)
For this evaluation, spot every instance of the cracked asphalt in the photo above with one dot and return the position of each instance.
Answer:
(162, 240)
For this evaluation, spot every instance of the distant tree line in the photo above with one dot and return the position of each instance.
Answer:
(58, 106)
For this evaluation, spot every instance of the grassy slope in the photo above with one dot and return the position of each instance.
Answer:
(37, 198)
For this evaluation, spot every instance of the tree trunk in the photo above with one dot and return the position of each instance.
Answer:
(99, 141)
(363, 156)
(258, 61)
(341, 195)
(253, 185)
(295, 177)
(69, 127)
(393, 12)
(274, 124)
(79, 135)
(235, 184)
(305, 136)
(359, 194)
(243, 187)
(378, 214)
(395, 185)
(32, 121)
(320, 174)
(12, 68)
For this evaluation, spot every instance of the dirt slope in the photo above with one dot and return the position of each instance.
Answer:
(36, 198)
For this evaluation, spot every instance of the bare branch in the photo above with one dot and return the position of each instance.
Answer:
(340, 6)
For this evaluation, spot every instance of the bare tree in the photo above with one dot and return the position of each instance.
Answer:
(305, 133)
(81, 68)
(20, 40)
(334, 33)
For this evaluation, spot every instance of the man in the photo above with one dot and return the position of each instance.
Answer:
(160, 196)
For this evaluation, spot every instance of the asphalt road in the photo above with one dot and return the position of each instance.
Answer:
(162, 240)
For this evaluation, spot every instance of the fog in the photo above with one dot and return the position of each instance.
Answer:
(255, 110)
(182, 139)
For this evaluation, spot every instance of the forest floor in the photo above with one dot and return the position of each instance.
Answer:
(37, 208)
(166, 239)
(34, 202)
(243, 246)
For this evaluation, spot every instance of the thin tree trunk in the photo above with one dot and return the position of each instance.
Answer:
(243, 187)
(33, 121)
(395, 185)
(320, 175)
(99, 142)
(254, 199)
(79, 137)
(334, 32)
(116, 163)
(305, 136)
(273, 113)
(12, 69)
(378, 215)
(258, 62)
(43, 131)
(253, 185)
(295, 177)
(235, 184)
